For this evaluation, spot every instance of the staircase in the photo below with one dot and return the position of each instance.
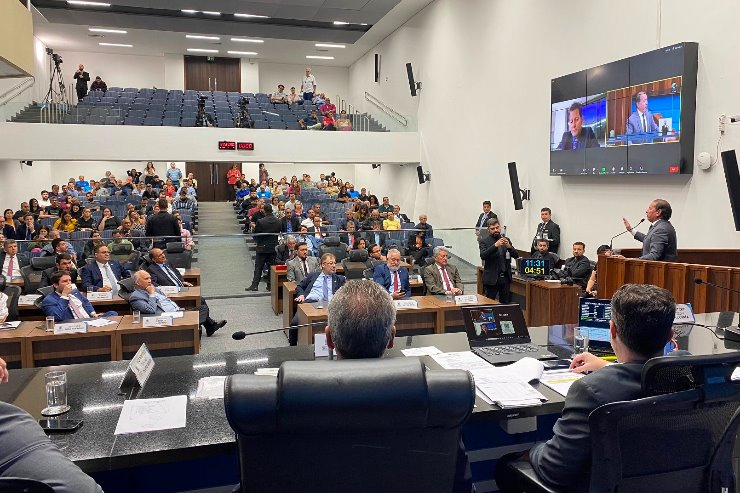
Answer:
(29, 114)
(375, 126)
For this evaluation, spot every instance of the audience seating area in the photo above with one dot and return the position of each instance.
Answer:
(161, 107)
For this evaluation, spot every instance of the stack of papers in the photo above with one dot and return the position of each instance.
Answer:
(99, 322)
(560, 380)
(210, 388)
(141, 415)
(10, 325)
(421, 351)
(27, 299)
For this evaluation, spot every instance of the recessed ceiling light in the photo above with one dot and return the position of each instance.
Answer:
(253, 16)
(244, 40)
(317, 57)
(116, 44)
(111, 31)
(328, 45)
(247, 53)
(196, 36)
(340, 23)
(211, 12)
(188, 11)
(202, 50)
(88, 4)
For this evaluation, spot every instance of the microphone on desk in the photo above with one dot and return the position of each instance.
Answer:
(240, 334)
(702, 281)
(625, 231)
(732, 333)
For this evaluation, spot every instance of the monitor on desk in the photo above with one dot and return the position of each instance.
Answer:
(594, 314)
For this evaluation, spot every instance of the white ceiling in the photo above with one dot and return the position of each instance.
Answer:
(155, 36)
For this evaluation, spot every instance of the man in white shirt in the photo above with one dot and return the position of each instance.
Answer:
(11, 261)
(279, 96)
(308, 222)
(308, 85)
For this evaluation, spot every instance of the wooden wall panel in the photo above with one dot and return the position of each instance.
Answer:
(634, 272)
(718, 299)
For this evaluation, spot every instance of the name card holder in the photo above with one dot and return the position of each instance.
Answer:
(139, 369)
(465, 299)
(157, 321)
(70, 328)
(684, 314)
(99, 295)
(169, 290)
(406, 304)
(320, 347)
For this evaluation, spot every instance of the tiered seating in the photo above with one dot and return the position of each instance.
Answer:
(160, 107)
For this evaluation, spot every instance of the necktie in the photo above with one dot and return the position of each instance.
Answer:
(644, 124)
(351, 239)
(482, 220)
(171, 274)
(574, 144)
(448, 286)
(10, 268)
(326, 288)
(77, 309)
(111, 278)
(395, 282)
(305, 268)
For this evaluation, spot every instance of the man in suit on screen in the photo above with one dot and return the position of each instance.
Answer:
(641, 121)
(578, 136)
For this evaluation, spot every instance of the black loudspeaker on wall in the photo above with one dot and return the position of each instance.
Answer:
(732, 176)
(516, 192)
(423, 177)
(412, 83)
(377, 67)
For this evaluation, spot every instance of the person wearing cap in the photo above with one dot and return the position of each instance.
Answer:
(279, 96)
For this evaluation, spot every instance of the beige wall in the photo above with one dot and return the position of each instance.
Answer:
(16, 36)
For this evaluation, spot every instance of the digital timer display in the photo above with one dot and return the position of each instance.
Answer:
(245, 146)
(534, 266)
(226, 145)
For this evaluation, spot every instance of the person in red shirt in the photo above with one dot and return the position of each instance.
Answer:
(328, 107)
(232, 176)
(328, 122)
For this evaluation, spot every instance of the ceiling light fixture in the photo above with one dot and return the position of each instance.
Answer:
(87, 4)
(196, 36)
(111, 31)
(329, 45)
(211, 12)
(243, 40)
(341, 23)
(188, 11)
(201, 50)
(116, 44)
(317, 57)
(246, 53)
(251, 16)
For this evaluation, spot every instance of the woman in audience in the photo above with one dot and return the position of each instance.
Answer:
(86, 222)
(275, 201)
(416, 248)
(373, 202)
(149, 173)
(328, 122)
(169, 189)
(135, 175)
(360, 244)
(295, 187)
(276, 189)
(344, 123)
(263, 174)
(40, 240)
(332, 189)
(363, 214)
(34, 208)
(280, 210)
(8, 229)
(343, 196)
(91, 244)
(108, 221)
(76, 211)
(65, 223)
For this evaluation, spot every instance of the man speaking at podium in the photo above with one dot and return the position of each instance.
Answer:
(660, 241)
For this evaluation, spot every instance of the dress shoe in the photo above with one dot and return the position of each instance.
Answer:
(253, 287)
(214, 326)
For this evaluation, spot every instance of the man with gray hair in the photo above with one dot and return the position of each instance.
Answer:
(442, 277)
(286, 251)
(393, 277)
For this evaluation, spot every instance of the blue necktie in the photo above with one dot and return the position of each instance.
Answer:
(326, 288)
(575, 144)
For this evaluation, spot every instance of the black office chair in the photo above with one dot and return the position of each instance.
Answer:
(23, 485)
(43, 293)
(13, 293)
(178, 255)
(332, 245)
(355, 264)
(32, 273)
(376, 425)
(125, 288)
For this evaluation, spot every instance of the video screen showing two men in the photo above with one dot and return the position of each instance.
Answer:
(640, 114)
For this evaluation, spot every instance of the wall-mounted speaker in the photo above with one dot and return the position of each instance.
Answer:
(413, 85)
(423, 177)
(732, 177)
(377, 67)
(516, 192)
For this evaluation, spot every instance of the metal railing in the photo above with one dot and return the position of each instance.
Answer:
(387, 109)
(53, 112)
(17, 90)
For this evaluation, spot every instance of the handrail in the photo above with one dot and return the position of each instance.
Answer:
(18, 88)
(387, 109)
(364, 122)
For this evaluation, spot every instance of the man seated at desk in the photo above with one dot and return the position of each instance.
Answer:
(151, 301)
(578, 267)
(441, 277)
(317, 286)
(393, 277)
(302, 265)
(66, 303)
(543, 253)
(641, 326)
(63, 262)
(104, 273)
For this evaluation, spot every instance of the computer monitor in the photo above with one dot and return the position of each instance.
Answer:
(594, 315)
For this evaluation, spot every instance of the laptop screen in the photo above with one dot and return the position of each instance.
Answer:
(500, 324)
(594, 314)
(534, 266)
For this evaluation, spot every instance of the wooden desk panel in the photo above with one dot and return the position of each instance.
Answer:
(192, 276)
(289, 304)
(99, 343)
(13, 345)
(182, 337)
(277, 278)
(552, 304)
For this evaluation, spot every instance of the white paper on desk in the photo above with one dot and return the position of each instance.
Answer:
(421, 351)
(500, 388)
(27, 299)
(177, 314)
(99, 322)
(553, 280)
(560, 380)
(141, 415)
(463, 360)
(10, 325)
(210, 388)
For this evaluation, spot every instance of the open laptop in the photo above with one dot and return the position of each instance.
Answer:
(499, 334)
(594, 314)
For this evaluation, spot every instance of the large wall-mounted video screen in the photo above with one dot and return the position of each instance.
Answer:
(630, 117)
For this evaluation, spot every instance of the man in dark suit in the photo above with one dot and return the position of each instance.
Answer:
(63, 262)
(266, 236)
(484, 217)
(11, 261)
(315, 287)
(351, 234)
(641, 121)
(290, 223)
(496, 251)
(104, 273)
(82, 78)
(548, 230)
(162, 273)
(376, 236)
(163, 224)
(660, 242)
(28, 229)
(66, 303)
(302, 265)
(641, 326)
(578, 136)
(393, 277)
(578, 267)
(286, 251)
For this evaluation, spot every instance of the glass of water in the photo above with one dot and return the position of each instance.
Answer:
(49, 324)
(136, 316)
(580, 340)
(321, 303)
(56, 394)
(449, 298)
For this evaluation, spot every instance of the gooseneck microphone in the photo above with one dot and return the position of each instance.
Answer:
(702, 281)
(625, 231)
(240, 334)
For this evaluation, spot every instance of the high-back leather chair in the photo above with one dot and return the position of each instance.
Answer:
(179, 256)
(355, 264)
(32, 273)
(332, 245)
(381, 425)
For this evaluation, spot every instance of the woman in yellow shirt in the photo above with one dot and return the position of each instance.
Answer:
(392, 223)
(65, 223)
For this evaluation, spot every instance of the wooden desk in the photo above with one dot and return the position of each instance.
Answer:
(179, 339)
(277, 278)
(192, 276)
(289, 304)
(13, 345)
(187, 298)
(450, 317)
(46, 348)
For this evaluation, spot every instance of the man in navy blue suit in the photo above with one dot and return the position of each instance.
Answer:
(578, 136)
(104, 273)
(65, 302)
(393, 277)
(317, 286)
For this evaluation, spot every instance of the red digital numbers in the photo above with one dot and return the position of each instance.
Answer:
(245, 146)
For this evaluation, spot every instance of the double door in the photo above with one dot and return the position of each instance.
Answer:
(212, 183)
(212, 74)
